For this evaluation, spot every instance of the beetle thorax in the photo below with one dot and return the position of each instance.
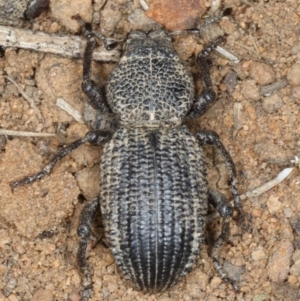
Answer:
(150, 87)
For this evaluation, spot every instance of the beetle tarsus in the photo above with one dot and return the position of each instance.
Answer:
(84, 232)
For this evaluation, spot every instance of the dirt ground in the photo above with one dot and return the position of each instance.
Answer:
(258, 124)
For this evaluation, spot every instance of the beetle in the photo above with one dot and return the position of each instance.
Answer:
(154, 194)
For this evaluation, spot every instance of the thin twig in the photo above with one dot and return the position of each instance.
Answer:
(144, 5)
(271, 88)
(259, 190)
(67, 45)
(61, 103)
(267, 186)
(24, 134)
(30, 100)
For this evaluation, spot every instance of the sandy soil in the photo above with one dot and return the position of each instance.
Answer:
(38, 222)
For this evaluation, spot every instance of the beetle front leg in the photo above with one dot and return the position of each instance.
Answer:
(94, 137)
(84, 232)
(221, 204)
(207, 97)
(89, 87)
(211, 137)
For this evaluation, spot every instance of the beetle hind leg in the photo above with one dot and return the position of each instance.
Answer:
(212, 138)
(221, 204)
(84, 231)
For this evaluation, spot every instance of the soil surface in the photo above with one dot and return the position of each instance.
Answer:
(258, 124)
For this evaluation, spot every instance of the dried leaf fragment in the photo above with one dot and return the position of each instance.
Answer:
(176, 14)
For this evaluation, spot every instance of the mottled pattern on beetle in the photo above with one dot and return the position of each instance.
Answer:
(150, 88)
(154, 203)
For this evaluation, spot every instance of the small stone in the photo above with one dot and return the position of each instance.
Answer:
(42, 295)
(295, 223)
(273, 204)
(258, 254)
(296, 255)
(285, 291)
(293, 75)
(261, 297)
(295, 49)
(96, 17)
(5, 238)
(13, 297)
(263, 74)
(10, 286)
(74, 296)
(293, 279)
(88, 181)
(138, 20)
(295, 269)
(279, 263)
(230, 81)
(234, 272)
(288, 212)
(211, 298)
(64, 10)
(193, 290)
(250, 91)
(201, 279)
(272, 103)
(215, 282)
(296, 92)
(170, 13)
(256, 213)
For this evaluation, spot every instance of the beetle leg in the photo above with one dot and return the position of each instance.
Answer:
(211, 137)
(84, 231)
(89, 87)
(221, 204)
(94, 137)
(35, 8)
(208, 95)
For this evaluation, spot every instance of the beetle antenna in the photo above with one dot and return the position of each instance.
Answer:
(87, 30)
(207, 22)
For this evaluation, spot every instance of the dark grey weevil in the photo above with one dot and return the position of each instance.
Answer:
(154, 195)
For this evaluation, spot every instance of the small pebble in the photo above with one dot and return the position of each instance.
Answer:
(293, 75)
(295, 223)
(262, 73)
(272, 103)
(250, 90)
(296, 255)
(296, 92)
(295, 269)
(273, 204)
(288, 212)
(261, 297)
(258, 254)
(215, 282)
(42, 295)
(256, 213)
(279, 263)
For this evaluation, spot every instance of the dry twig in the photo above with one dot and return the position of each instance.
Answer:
(68, 46)
(30, 100)
(24, 134)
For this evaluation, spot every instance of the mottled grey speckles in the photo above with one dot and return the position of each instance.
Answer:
(151, 88)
